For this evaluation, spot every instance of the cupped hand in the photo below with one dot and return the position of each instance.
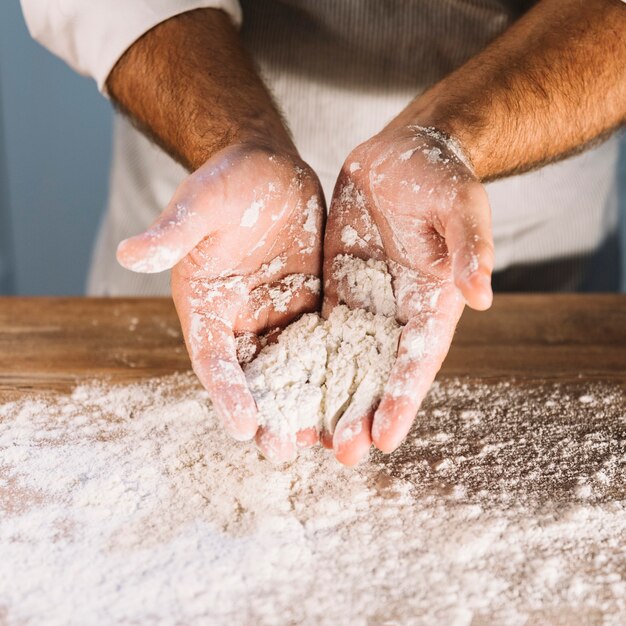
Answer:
(243, 236)
(409, 198)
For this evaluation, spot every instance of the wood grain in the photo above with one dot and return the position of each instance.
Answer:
(54, 343)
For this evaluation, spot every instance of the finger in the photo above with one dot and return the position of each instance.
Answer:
(352, 439)
(213, 352)
(423, 346)
(330, 299)
(326, 439)
(307, 438)
(276, 447)
(206, 312)
(172, 236)
(231, 398)
(195, 211)
(470, 244)
(332, 247)
(352, 434)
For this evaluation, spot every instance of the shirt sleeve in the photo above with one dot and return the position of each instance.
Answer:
(91, 35)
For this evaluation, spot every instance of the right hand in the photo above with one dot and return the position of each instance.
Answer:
(243, 235)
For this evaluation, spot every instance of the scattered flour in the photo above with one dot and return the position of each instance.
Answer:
(160, 259)
(349, 236)
(450, 143)
(130, 505)
(283, 293)
(312, 210)
(251, 215)
(321, 370)
(432, 154)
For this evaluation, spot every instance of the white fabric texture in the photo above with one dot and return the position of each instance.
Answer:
(340, 70)
(91, 35)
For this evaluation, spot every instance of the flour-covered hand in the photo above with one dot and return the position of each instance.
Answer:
(408, 198)
(243, 236)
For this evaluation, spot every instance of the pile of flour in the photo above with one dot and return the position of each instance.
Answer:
(322, 370)
(130, 505)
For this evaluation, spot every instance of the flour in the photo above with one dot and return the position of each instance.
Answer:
(364, 284)
(349, 236)
(450, 143)
(251, 215)
(312, 210)
(321, 370)
(160, 258)
(283, 293)
(130, 505)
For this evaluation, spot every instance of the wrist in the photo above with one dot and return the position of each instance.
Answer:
(270, 135)
(454, 123)
(437, 132)
(189, 85)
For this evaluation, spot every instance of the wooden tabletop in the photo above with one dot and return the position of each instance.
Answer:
(53, 343)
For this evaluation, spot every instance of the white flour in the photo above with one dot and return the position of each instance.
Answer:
(364, 284)
(129, 505)
(319, 368)
(322, 369)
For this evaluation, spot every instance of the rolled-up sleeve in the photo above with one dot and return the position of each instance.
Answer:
(91, 35)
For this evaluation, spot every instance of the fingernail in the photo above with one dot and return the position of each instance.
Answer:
(481, 282)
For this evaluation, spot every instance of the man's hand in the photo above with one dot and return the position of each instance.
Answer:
(243, 234)
(546, 88)
(408, 198)
(243, 231)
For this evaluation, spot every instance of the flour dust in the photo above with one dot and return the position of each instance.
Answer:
(129, 504)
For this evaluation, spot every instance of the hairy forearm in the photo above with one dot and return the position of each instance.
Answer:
(190, 85)
(550, 85)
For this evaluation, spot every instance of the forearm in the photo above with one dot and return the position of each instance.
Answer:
(191, 86)
(552, 83)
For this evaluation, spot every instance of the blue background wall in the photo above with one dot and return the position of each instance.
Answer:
(54, 163)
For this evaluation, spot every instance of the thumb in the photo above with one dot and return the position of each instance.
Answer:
(470, 245)
(177, 231)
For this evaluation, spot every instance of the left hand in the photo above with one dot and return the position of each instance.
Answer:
(408, 198)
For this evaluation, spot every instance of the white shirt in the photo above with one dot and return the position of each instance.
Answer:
(340, 69)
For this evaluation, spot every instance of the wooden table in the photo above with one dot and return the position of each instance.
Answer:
(53, 343)
(485, 463)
